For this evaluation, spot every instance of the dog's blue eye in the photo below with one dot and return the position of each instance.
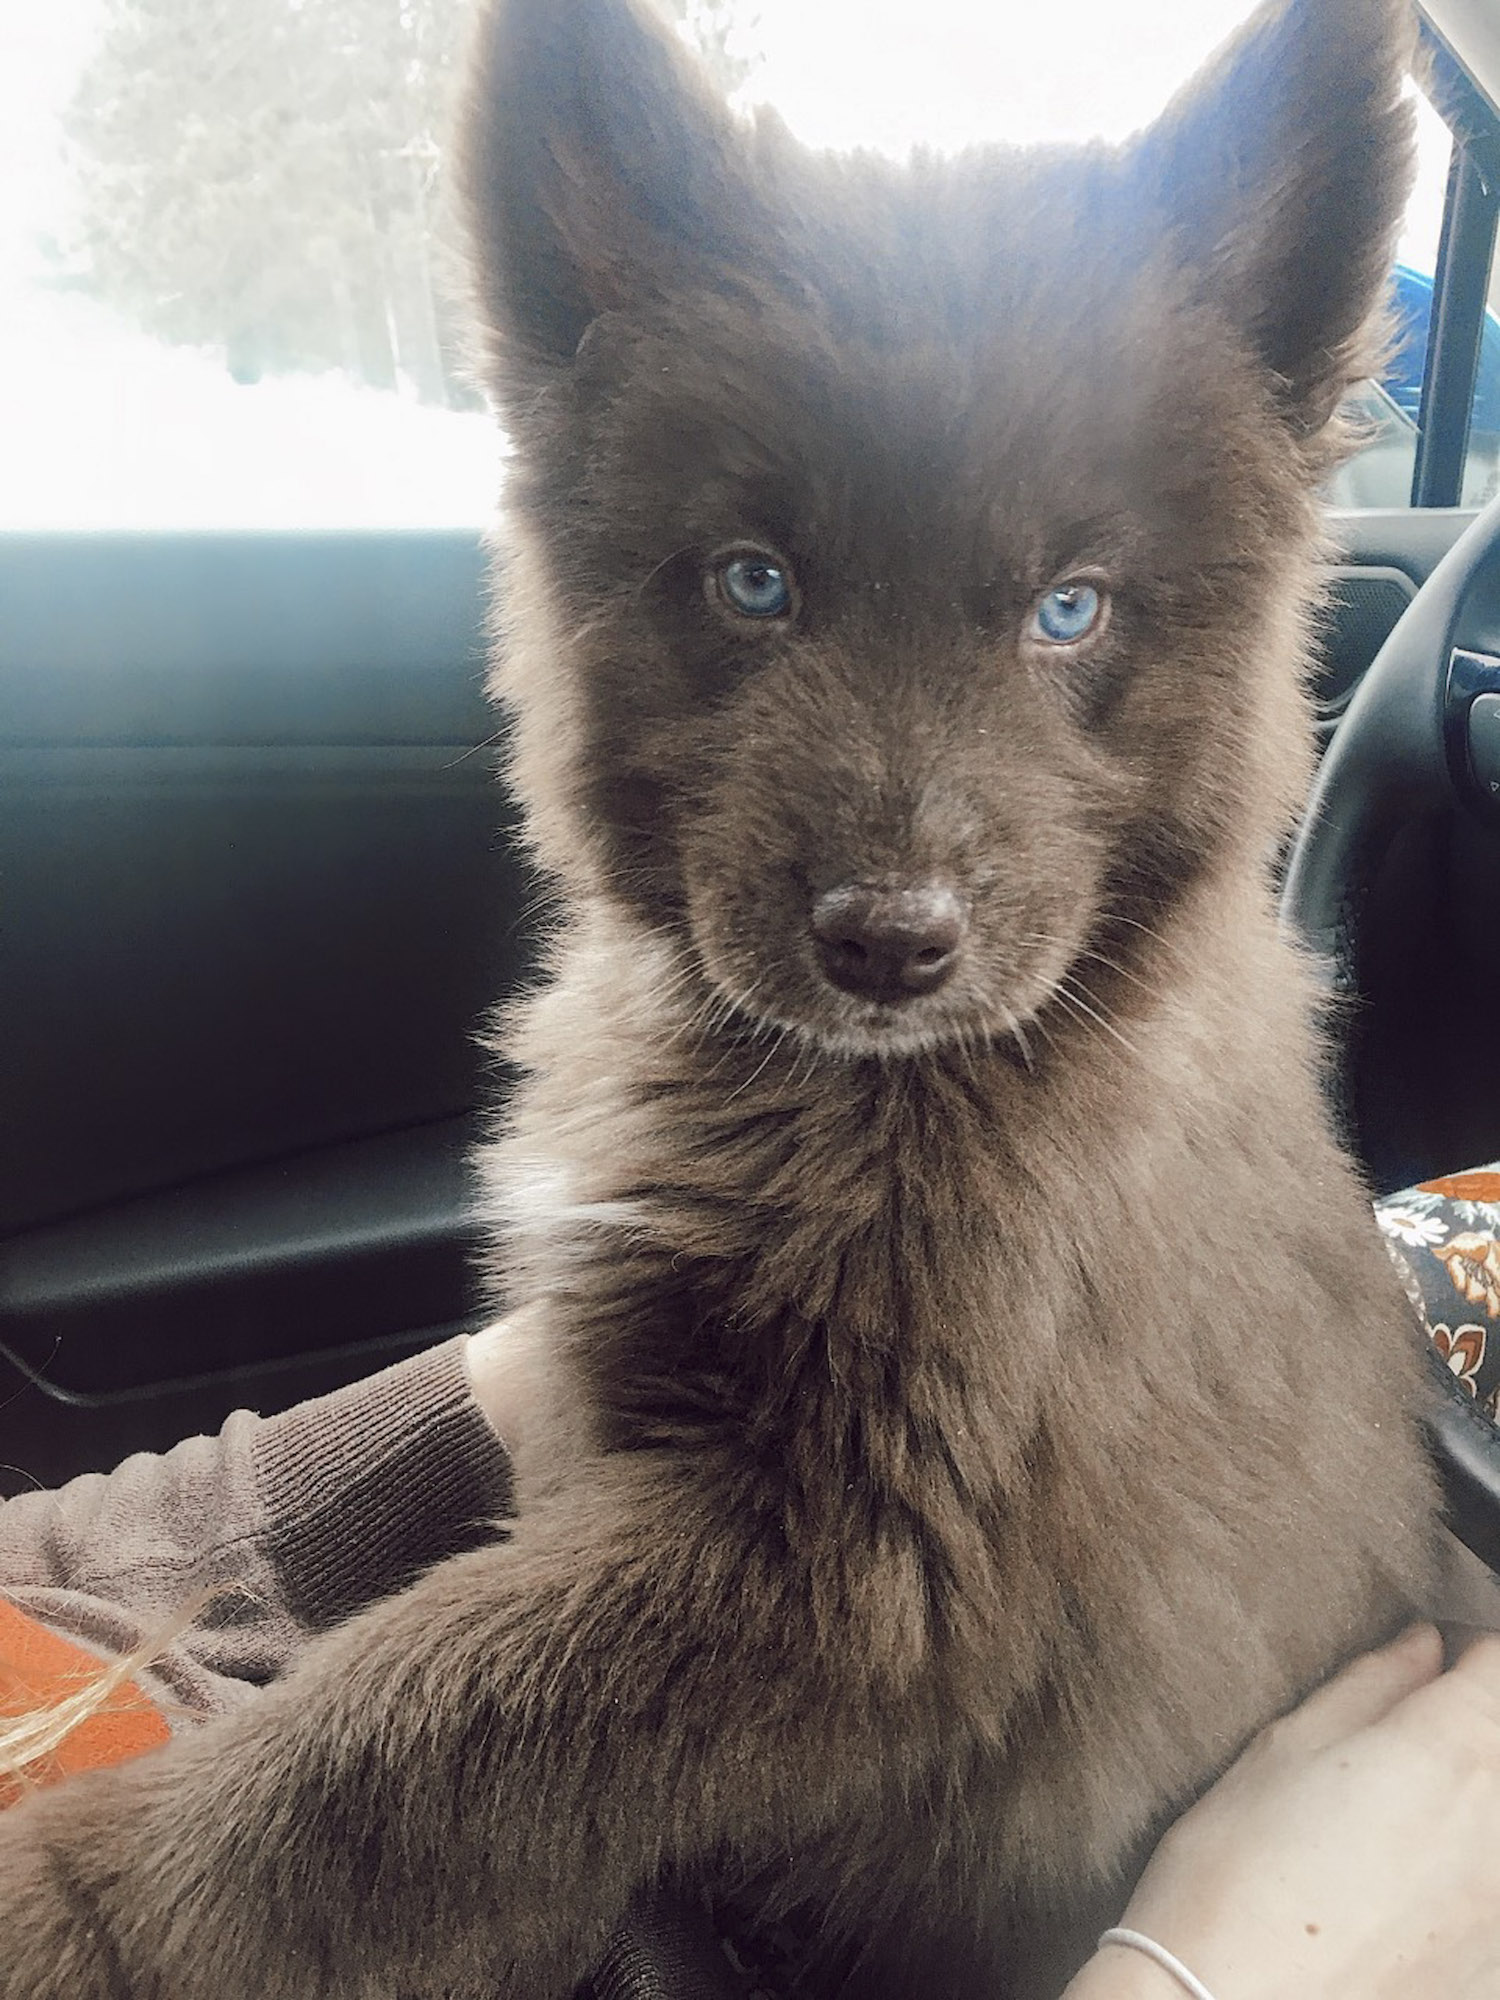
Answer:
(755, 586)
(1067, 614)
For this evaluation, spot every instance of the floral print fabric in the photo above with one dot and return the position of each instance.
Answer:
(1444, 1236)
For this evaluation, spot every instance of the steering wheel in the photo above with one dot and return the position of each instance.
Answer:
(1422, 733)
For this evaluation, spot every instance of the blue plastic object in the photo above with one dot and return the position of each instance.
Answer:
(1403, 379)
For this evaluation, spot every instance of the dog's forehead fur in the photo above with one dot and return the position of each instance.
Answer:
(992, 372)
(1001, 461)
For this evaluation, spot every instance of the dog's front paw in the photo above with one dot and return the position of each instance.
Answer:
(54, 1937)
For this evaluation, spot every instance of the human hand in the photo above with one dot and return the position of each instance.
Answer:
(1347, 1855)
(500, 1368)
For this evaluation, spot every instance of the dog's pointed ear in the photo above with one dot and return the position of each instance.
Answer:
(1284, 170)
(598, 167)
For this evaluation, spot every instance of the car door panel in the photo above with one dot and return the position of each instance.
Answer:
(259, 887)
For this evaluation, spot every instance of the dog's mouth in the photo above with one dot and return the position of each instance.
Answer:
(853, 1028)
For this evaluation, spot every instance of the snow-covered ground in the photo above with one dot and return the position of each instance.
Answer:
(103, 427)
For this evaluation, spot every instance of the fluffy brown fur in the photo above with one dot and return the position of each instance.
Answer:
(965, 1416)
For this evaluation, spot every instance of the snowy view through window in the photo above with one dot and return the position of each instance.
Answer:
(228, 290)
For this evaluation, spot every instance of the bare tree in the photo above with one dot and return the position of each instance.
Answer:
(268, 177)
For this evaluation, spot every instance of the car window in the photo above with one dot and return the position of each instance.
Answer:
(228, 289)
(1381, 473)
(231, 291)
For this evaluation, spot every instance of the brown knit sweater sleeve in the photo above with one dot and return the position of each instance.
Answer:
(270, 1531)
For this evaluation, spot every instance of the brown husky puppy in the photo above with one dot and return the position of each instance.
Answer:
(971, 1394)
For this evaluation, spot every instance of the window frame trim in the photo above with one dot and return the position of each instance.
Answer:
(1460, 298)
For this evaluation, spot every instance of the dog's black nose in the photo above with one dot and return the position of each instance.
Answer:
(888, 944)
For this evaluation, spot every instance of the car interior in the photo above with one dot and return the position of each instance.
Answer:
(260, 887)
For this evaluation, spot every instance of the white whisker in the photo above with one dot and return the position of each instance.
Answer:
(1066, 990)
(1018, 1035)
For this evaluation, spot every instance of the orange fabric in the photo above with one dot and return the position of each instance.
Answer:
(37, 1668)
(1478, 1186)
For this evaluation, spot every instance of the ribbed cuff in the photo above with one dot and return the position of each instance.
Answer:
(366, 1488)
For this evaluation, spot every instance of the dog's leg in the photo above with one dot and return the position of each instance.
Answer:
(456, 1794)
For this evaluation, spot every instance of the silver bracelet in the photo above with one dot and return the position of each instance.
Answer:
(1138, 1941)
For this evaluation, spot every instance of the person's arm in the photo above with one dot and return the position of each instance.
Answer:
(1348, 1855)
(273, 1529)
